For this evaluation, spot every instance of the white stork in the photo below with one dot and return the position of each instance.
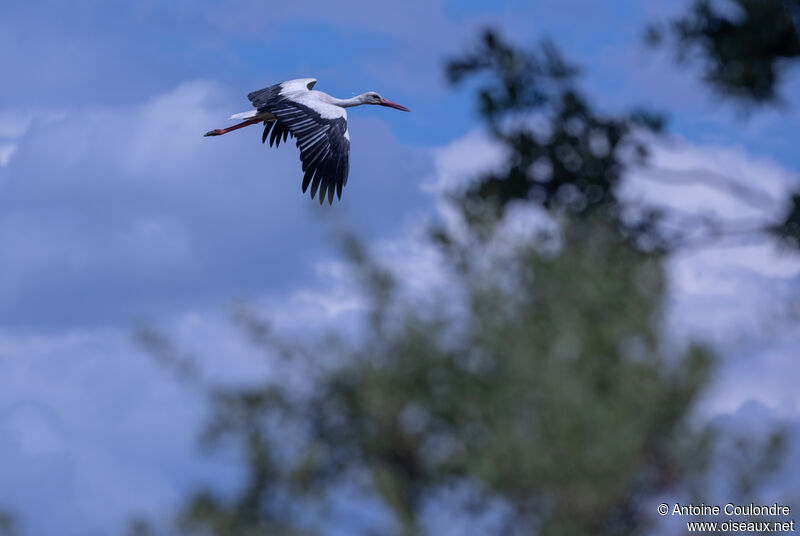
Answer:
(318, 122)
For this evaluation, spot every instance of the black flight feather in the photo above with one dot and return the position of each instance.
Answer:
(324, 148)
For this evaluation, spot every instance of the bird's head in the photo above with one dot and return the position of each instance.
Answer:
(370, 97)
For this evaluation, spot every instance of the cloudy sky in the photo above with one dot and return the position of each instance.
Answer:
(116, 212)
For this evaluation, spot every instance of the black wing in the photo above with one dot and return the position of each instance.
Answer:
(265, 97)
(324, 147)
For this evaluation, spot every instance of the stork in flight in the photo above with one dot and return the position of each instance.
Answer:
(318, 122)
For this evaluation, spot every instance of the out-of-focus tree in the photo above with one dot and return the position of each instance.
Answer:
(8, 524)
(745, 45)
(788, 230)
(563, 155)
(548, 390)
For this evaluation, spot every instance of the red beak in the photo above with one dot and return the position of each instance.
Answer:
(394, 105)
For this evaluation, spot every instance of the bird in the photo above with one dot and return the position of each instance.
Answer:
(317, 121)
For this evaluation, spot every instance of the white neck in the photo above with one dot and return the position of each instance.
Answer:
(346, 103)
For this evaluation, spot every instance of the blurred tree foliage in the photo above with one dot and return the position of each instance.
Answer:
(548, 390)
(788, 230)
(745, 45)
(563, 155)
(541, 385)
(566, 157)
(8, 524)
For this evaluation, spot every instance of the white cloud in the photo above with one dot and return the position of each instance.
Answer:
(15, 123)
(463, 161)
(6, 152)
(740, 296)
(711, 179)
(101, 423)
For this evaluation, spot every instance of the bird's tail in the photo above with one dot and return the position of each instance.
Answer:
(245, 115)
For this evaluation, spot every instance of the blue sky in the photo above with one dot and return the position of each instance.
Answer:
(115, 211)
